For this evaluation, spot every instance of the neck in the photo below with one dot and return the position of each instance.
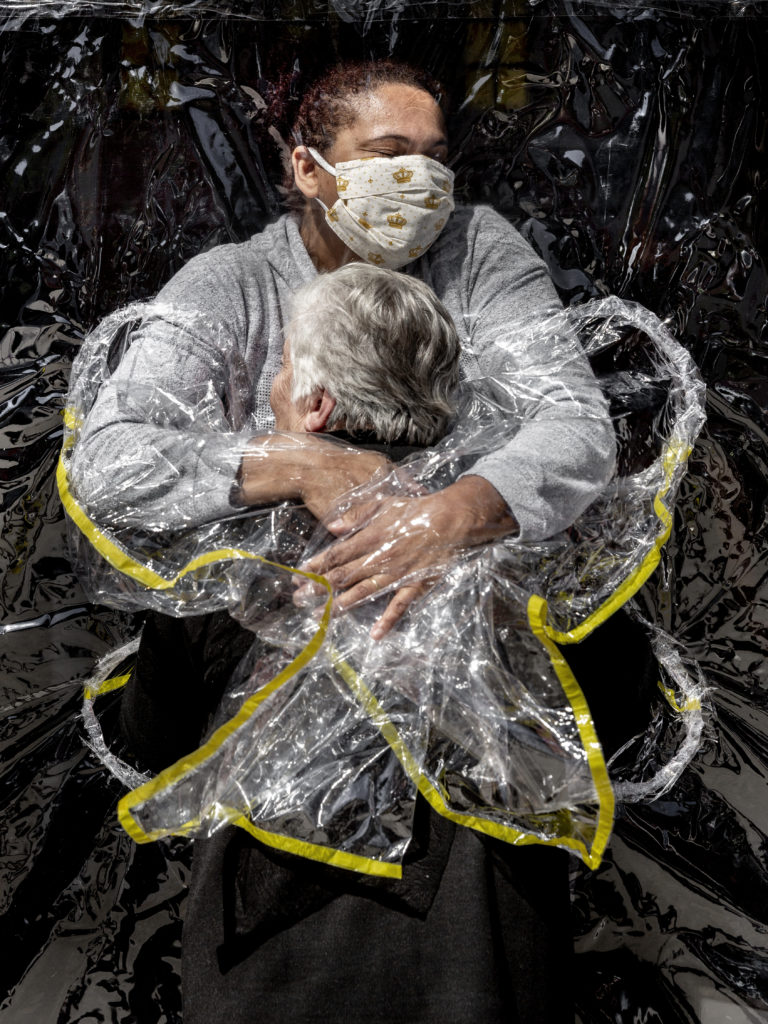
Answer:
(325, 248)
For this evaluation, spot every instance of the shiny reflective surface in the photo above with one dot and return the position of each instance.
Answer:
(481, 715)
(629, 146)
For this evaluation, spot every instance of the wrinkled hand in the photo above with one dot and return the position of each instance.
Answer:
(342, 470)
(406, 540)
(318, 472)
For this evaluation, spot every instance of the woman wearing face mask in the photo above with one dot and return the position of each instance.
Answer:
(474, 931)
(370, 183)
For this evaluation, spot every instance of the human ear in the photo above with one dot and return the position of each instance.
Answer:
(322, 405)
(305, 172)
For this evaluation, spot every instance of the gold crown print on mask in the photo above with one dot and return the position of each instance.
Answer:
(390, 209)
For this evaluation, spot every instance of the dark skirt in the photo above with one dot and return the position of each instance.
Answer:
(476, 931)
(486, 938)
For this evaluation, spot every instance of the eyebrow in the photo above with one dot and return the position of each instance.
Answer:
(441, 141)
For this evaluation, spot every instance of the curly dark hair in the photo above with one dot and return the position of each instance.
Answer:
(316, 117)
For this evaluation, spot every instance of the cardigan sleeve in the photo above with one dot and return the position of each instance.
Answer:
(560, 450)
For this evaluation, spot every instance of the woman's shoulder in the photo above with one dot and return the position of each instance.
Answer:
(231, 265)
(274, 241)
(477, 234)
(482, 224)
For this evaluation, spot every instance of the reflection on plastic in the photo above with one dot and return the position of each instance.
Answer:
(367, 11)
(625, 140)
(488, 724)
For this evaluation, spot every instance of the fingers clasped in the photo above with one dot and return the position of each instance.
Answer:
(384, 543)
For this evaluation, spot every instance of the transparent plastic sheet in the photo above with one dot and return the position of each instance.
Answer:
(364, 11)
(627, 146)
(406, 713)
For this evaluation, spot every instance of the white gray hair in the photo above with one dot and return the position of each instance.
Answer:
(383, 345)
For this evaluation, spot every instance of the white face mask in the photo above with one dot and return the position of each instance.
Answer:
(390, 209)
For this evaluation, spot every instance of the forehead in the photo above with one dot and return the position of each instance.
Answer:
(396, 110)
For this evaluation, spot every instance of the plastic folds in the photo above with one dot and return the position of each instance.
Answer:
(324, 736)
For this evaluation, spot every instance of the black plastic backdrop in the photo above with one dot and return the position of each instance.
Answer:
(628, 143)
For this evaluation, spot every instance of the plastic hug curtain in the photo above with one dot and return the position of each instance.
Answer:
(468, 702)
(627, 144)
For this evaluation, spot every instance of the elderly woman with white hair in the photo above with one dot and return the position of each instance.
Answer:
(371, 352)
(472, 933)
(371, 358)
(368, 182)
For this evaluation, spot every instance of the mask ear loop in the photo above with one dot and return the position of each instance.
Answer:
(320, 160)
(326, 167)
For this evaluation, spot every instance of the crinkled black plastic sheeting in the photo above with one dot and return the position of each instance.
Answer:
(628, 143)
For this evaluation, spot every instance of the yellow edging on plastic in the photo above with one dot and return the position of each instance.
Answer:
(323, 854)
(181, 768)
(548, 637)
(537, 612)
(674, 456)
(177, 771)
(72, 422)
(119, 559)
(506, 833)
(537, 617)
(692, 704)
(124, 563)
(287, 844)
(221, 812)
(113, 683)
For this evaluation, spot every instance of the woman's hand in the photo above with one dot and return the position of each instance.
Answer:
(339, 471)
(395, 539)
(304, 467)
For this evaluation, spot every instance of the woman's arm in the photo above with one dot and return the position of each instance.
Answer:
(303, 467)
(562, 453)
(165, 439)
(551, 463)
